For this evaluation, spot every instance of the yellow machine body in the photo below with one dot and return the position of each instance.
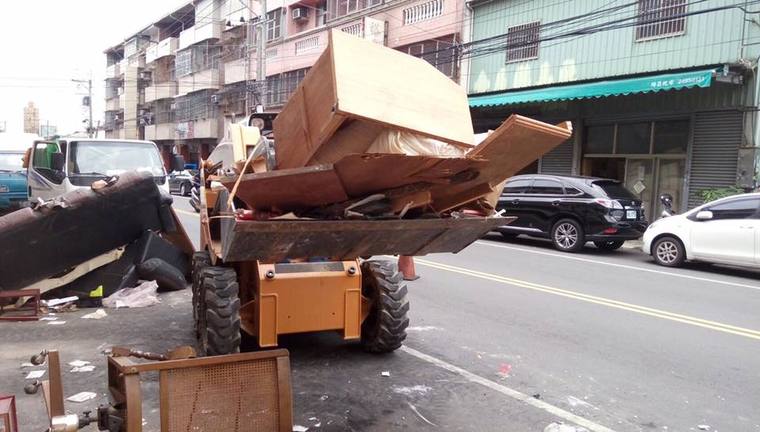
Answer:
(301, 297)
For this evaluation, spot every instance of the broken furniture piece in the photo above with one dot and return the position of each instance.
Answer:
(379, 165)
(11, 309)
(107, 236)
(243, 392)
(8, 417)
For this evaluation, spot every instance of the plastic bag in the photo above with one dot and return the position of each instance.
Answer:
(142, 295)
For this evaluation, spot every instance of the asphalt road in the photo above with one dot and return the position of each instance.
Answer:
(503, 337)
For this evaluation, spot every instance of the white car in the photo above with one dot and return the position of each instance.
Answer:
(725, 231)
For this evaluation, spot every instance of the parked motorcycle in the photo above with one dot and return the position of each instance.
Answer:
(667, 205)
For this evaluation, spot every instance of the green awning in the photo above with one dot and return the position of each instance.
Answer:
(648, 84)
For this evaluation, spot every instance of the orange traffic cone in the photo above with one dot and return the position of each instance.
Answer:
(406, 267)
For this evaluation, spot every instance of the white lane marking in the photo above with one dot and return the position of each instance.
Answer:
(587, 260)
(514, 394)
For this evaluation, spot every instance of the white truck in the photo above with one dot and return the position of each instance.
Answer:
(58, 167)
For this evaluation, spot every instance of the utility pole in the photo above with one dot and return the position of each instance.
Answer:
(88, 82)
(261, 68)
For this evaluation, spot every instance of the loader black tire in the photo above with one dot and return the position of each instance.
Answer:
(220, 330)
(200, 261)
(385, 327)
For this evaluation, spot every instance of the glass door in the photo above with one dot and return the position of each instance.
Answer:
(670, 177)
(639, 179)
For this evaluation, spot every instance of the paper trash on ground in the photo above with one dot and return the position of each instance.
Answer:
(299, 428)
(81, 397)
(56, 322)
(385, 373)
(78, 363)
(57, 301)
(88, 368)
(142, 295)
(35, 374)
(98, 314)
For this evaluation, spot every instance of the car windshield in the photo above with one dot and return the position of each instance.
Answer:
(113, 158)
(11, 161)
(613, 189)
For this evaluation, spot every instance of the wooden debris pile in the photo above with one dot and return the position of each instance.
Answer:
(375, 133)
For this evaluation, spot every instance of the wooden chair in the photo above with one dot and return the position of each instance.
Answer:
(237, 392)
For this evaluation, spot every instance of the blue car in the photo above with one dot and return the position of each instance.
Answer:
(13, 187)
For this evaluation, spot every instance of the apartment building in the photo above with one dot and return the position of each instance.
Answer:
(662, 94)
(179, 79)
(31, 118)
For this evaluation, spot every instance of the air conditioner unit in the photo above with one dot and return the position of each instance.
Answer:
(299, 13)
(214, 98)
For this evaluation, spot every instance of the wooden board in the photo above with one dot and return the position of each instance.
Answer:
(289, 189)
(515, 144)
(274, 241)
(363, 174)
(353, 137)
(367, 82)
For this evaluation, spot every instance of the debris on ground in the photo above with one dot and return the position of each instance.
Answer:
(98, 314)
(81, 397)
(299, 428)
(78, 363)
(703, 427)
(118, 232)
(56, 322)
(422, 417)
(504, 370)
(59, 302)
(385, 373)
(88, 368)
(143, 295)
(35, 374)
(561, 427)
(413, 390)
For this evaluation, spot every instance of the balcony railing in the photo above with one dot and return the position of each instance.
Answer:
(164, 90)
(423, 12)
(164, 48)
(196, 34)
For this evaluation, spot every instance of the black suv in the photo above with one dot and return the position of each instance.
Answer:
(572, 210)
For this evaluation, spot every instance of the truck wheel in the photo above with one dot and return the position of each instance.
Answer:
(385, 327)
(201, 260)
(220, 330)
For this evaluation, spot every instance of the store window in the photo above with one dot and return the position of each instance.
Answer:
(599, 139)
(671, 137)
(341, 8)
(522, 42)
(439, 52)
(634, 138)
(274, 24)
(660, 18)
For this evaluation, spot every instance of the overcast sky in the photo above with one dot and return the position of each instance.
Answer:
(46, 43)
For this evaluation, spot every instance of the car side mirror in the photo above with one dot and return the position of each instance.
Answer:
(56, 161)
(704, 215)
(178, 162)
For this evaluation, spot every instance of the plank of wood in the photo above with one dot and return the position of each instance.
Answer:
(370, 83)
(383, 85)
(364, 174)
(515, 144)
(289, 189)
(353, 137)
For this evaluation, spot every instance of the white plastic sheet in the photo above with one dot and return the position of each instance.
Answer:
(401, 142)
(142, 295)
